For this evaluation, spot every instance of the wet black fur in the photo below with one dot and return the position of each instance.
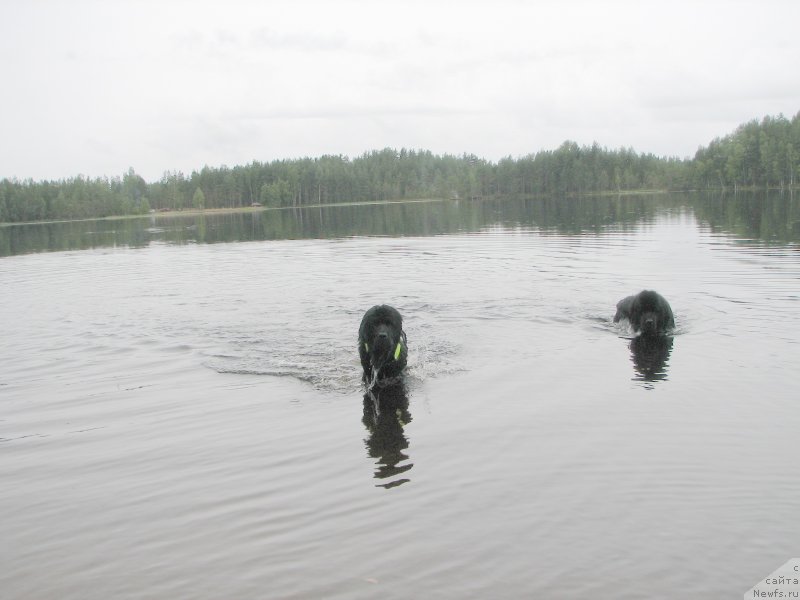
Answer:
(648, 313)
(380, 331)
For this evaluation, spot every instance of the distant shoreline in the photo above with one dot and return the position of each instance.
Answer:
(195, 212)
(253, 209)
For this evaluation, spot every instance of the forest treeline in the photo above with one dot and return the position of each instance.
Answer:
(759, 154)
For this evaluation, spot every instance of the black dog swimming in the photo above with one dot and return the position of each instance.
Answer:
(382, 346)
(648, 313)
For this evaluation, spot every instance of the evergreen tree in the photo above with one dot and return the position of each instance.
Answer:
(198, 199)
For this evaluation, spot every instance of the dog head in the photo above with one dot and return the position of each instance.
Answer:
(650, 313)
(380, 338)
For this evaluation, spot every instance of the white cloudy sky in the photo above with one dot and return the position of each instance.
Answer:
(96, 87)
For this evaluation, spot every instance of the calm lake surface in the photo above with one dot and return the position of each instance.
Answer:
(181, 412)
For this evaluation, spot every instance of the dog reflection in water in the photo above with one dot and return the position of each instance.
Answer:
(650, 355)
(385, 416)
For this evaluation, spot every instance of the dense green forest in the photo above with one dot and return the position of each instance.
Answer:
(759, 154)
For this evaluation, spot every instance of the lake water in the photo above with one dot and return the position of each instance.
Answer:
(182, 416)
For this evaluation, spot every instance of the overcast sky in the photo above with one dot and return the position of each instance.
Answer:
(94, 88)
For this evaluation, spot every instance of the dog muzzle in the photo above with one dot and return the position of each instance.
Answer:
(397, 350)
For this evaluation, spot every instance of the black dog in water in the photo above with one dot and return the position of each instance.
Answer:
(382, 346)
(647, 312)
